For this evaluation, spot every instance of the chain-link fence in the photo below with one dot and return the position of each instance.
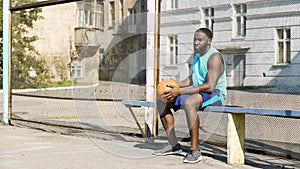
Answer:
(105, 59)
(91, 108)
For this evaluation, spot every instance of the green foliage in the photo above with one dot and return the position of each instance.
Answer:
(24, 55)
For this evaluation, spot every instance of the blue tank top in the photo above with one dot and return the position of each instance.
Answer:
(199, 71)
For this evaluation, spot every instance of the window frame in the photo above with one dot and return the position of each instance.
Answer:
(77, 66)
(132, 20)
(112, 14)
(283, 54)
(173, 49)
(174, 4)
(90, 14)
(121, 8)
(239, 20)
(208, 17)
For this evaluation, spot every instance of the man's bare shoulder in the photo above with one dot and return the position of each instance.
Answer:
(216, 58)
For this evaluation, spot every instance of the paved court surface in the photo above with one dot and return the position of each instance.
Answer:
(34, 147)
(25, 148)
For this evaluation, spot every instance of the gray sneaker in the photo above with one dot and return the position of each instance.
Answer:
(168, 150)
(193, 156)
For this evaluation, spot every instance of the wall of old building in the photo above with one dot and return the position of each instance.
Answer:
(123, 58)
(100, 51)
(56, 37)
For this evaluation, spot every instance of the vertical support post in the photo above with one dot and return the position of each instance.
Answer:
(149, 114)
(6, 62)
(156, 60)
(236, 138)
(152, 61)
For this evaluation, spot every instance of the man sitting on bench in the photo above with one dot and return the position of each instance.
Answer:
(204, 87)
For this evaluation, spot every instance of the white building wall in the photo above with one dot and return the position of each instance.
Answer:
(182, 22)
(263, 18)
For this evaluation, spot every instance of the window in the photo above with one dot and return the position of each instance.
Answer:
(209, 18)
(173, 49)
(76, 69)
(239, 22)
(132, 20)
(283, 52)
(171, 4)
(101, 56)
(121, 9)
(174, 4)
(111, 14)
(90, 14)
(235, 68)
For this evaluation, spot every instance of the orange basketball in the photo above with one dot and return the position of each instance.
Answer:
(162, 87)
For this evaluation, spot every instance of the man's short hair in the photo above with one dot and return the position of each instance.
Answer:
(206, 31)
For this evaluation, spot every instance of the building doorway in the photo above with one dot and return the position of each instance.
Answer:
(236, 69)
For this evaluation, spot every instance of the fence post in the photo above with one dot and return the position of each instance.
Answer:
(6, 34)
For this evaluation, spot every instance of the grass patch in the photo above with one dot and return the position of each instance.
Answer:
(248, 87)
(65, 83)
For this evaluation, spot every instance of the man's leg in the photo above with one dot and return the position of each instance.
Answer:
(192, 104)
(168, 122)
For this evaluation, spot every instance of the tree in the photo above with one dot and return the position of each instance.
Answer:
(25, 58)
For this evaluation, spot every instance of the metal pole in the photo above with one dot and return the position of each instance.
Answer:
(156, 61)
(6, 62)
(41, 4)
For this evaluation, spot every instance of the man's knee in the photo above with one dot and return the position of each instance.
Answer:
(194, 101)
(163, 108)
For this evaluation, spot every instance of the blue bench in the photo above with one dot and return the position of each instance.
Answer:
(235, 125)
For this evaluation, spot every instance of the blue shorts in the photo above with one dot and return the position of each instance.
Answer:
(208, 99)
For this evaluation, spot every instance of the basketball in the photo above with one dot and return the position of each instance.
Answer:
(162, 87)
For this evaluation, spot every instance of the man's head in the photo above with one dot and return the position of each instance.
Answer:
(202, 40)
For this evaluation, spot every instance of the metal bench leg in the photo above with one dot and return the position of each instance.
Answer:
(136, 121)
(235, 138)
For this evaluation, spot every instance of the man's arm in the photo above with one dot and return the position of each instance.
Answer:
(186, 82)
(215, 70)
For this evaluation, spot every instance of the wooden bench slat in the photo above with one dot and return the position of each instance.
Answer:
(265, 112)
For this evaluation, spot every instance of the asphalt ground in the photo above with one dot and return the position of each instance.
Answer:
(25, 148)
(33, 146)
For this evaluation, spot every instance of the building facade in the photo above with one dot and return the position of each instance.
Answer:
(259, 39)
(56, 38)
(88, 40)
